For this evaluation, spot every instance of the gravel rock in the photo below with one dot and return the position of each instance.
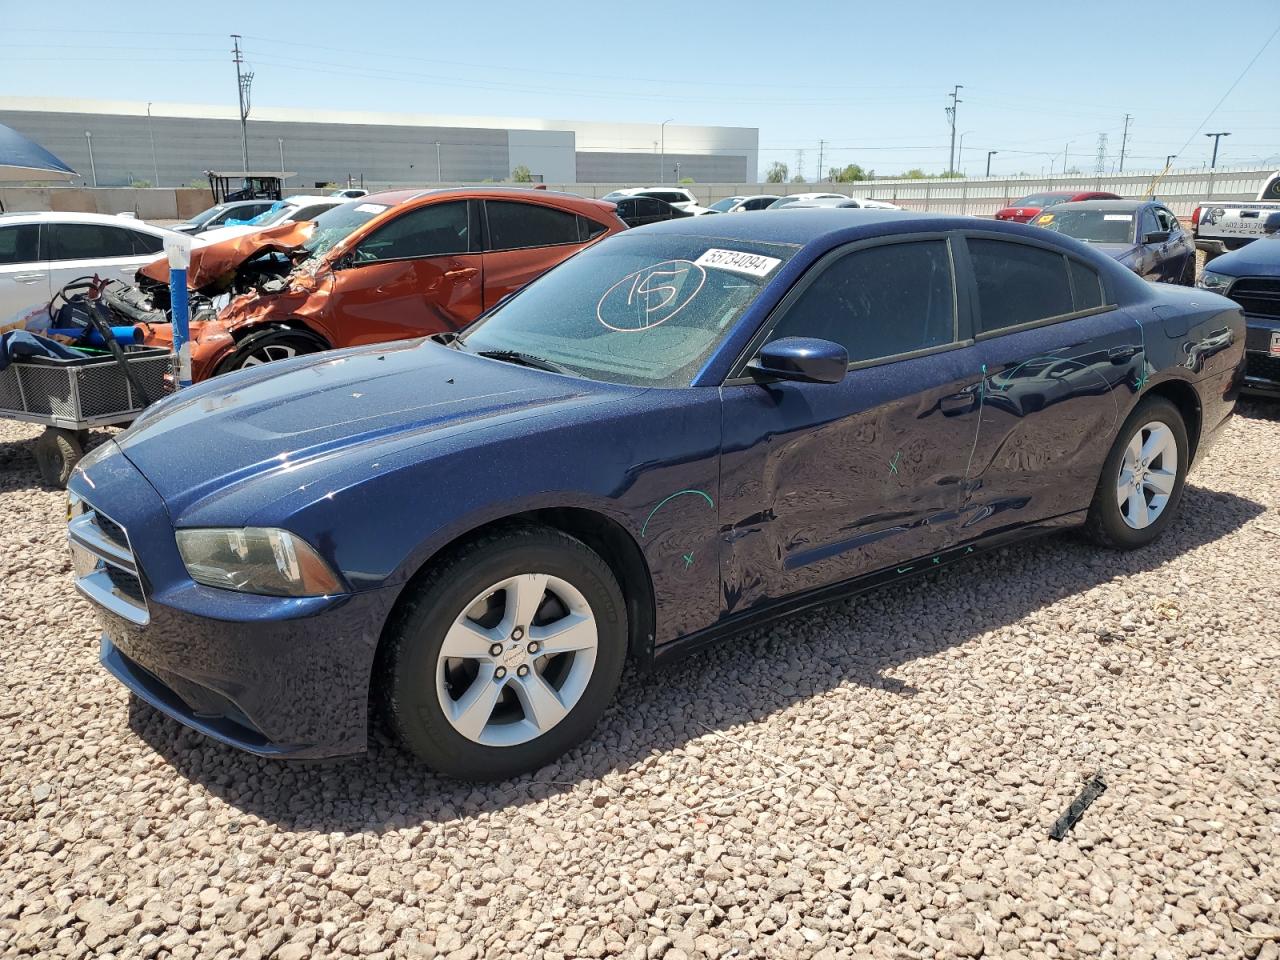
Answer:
(874, 778)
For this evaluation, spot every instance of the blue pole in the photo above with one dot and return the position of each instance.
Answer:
(181, 310)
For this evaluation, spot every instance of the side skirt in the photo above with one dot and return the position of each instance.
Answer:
(775, 610)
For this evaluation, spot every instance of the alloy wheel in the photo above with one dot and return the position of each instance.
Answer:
(516, 660)
(269, 353)
(1147, 475)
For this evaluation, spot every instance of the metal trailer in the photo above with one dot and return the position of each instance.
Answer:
(70, 397)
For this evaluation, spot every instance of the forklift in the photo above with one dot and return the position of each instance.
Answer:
(228, 186)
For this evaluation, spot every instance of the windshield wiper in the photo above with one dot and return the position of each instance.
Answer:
(525, 360)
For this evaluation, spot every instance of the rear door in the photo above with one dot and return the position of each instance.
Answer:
(1055, 354)
(525, 239)
(824, 482)
(417, 274)
(24, 277)
(107, 250)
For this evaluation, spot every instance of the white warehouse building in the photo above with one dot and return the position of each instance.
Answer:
(114, 139)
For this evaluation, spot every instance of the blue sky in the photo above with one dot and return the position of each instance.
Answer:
(870, 80)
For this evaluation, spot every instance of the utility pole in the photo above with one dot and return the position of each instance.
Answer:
(155, 169)
(244, 81)
(990, 154)
(1064, 157)
(951, 115)
(1100, 164)
(1124, 140)
(821, 147)
(1216, 137)
(800, 165)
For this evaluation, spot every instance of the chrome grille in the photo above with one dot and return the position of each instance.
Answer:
(104, 566)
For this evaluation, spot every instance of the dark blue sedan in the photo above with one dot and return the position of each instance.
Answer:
(1143, 235)
(686, 430)
(1251, 277)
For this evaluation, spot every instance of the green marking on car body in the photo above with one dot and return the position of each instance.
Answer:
(679, 493)
(905, 569)
(688, 560)
(893, 464)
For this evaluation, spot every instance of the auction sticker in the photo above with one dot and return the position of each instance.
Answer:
(1047, 218)
(1126, 217)
(752, 264)
(371, 208)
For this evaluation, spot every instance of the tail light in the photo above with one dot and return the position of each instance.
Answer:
(1195, 216)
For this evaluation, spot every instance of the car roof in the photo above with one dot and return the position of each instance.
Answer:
(806, 226)
(1119, 206)
(59, 216)
(316, 198)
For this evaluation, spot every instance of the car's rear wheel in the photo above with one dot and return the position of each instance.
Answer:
(1141, 483)
(505, 655)
(268, 346)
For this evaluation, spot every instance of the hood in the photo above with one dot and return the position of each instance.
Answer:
(211, 264)
(1260, 258)
(300, 416)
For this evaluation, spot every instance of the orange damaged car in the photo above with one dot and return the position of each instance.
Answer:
(389, 266)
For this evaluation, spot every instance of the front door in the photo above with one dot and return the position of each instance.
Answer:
(824, 482)
(525, 240)
(24, 277)
(418, 274)
(1054, 357)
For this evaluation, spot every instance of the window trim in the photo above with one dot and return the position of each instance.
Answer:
(470, 251)
(1108, 300)
(488, 234)
(960, 304)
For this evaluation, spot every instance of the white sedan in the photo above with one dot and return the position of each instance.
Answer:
(294, 209)
(42, 252)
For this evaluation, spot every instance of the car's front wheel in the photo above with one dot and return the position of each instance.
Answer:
(269, 345)
(505, 655)
(1141, 483)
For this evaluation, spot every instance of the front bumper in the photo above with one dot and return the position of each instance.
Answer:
(1262, 367)
(276, 676)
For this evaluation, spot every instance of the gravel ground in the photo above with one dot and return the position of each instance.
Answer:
(873, 779)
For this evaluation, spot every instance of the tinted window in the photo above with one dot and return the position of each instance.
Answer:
(1086, 285)
(879, 302)
(760, 203)
(515, 226)
(436, 230)
(588, 229)
(18, 243)
(145, 243)
(1018, 284)
(89, 241)
(671, 196)
(310, 213)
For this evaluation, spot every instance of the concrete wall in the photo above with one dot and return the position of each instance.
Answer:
(978, 197)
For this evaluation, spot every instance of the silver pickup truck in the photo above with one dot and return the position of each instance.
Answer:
(1219, 226)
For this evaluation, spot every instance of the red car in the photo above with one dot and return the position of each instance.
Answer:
(388, 266)
(1021, 211)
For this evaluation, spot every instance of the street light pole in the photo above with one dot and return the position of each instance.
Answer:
(439, 178)
(88, 138)
(155, 168)
(990, 154)
(280, 141)
(662, 150)
(960, 151)
(1216, 137)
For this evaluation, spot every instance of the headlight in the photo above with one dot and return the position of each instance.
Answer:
(260, 560)
(1214, 281)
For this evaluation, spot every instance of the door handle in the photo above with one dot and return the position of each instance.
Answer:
(957, 403)
(1121, 354)
(28, 277)
(461, 272)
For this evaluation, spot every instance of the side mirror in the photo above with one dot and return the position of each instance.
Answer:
(346, 261)
(1155, 236)
(803, 359)
(1271, 224)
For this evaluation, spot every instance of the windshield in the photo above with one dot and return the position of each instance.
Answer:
(1039, 200)
(723, 206)
(335, 225)
(1091, 226)
(616, 195)
(642, 310)
(782, 202)
(209, 214)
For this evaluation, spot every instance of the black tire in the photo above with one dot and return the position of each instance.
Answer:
(276, 343)
(57, 453)
(1105, 524)
(405, 685)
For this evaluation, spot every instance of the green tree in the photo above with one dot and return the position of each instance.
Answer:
(140, 183)
(849, 174)
(777, 172)
(521, 174)
(798, 179)
(687, 180)
(915, 173)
